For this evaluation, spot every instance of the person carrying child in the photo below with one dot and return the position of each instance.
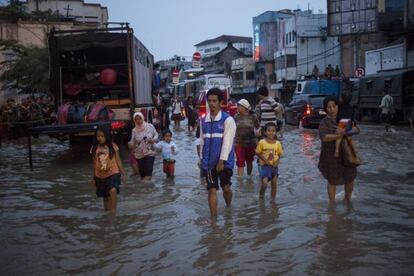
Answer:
(107, 167)
(269, 150)
(168, 148)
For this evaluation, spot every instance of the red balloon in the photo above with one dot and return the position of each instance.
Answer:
(108, 76)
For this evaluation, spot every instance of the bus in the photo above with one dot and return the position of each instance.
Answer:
(197, 89)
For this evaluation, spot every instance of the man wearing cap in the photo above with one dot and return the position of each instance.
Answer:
(245, 139)
(217, 132)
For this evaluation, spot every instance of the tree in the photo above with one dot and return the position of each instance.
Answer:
(26, 68)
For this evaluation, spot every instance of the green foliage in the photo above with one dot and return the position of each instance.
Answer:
(14, 11)
(26, 68)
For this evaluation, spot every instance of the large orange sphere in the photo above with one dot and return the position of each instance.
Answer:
(108, 76)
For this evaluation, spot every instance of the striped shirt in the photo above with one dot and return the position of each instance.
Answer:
(268, 107)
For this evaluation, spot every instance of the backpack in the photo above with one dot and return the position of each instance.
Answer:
(62, 114)
(76, 114)
(99, 113)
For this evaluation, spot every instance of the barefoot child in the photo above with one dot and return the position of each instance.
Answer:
(269, 151)
(107, 167)
(168, 148)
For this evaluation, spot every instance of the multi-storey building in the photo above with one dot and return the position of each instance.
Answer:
(266, 38)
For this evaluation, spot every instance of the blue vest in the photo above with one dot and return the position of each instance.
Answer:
(213, 138)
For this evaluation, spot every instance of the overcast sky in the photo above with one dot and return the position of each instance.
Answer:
(169, 27)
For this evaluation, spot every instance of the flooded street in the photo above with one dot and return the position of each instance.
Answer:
(52, 223)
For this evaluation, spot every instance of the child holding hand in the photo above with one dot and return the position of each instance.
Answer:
(168, 148)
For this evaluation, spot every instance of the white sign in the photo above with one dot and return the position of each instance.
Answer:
(359, 72)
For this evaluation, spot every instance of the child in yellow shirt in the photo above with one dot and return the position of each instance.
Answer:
(269, 150)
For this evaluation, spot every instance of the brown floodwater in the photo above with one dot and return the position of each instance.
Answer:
(52, 223)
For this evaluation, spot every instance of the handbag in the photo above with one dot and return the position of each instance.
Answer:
(350, 157)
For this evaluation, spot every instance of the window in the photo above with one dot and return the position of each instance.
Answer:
(370, 84)
(249, 75)
(286, 39)
(291, 61)
(388, 84)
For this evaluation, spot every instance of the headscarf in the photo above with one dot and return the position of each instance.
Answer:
(142, 127)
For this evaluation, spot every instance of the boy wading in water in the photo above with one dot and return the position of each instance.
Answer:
(217, 133)
(269, 151)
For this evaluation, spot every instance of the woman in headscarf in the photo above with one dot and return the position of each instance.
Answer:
(143, 137)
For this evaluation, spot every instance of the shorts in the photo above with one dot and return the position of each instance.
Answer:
(169, 166)
(146, 165)
(244, 154)
(386, 118)
(269, 172)
(212, 177)
(104, 185)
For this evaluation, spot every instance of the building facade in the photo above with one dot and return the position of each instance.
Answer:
(266, 41)
(242, 72)
(221, 62)
(211, 47)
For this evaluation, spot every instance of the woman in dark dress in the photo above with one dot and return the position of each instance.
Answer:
(330, 166)
(191, 114)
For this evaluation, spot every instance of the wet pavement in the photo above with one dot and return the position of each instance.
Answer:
(52, 223)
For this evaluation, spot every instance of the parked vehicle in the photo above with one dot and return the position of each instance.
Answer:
(108, 67)
(325, 87)
(306, 110)
(400, 85)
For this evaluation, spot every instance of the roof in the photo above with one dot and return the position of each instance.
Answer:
(226, 38)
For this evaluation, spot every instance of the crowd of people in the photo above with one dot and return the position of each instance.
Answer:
(222, 142)
(31, 111)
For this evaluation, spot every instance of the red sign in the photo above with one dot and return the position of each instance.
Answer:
(359, 72)
(175, 73)
(196, 56)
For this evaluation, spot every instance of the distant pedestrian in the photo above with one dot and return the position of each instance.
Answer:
(164, 115)
(191, 114)
(245, 139)
(177, 112)
(387, 110)
(269, 150)
(411, 118)
(143, 137)
(332, 168)
(168, 148)
(107, 167)
(268, 107)
(217, 133)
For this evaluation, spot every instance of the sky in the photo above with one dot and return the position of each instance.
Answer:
(169, 27)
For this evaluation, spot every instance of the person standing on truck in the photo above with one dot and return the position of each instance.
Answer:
(107, 167)
(217, 133)
(387, 110)
(142, 140)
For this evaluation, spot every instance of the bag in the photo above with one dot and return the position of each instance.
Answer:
(350, 157)
(99, 113)
(77, 114)
(62, 113)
